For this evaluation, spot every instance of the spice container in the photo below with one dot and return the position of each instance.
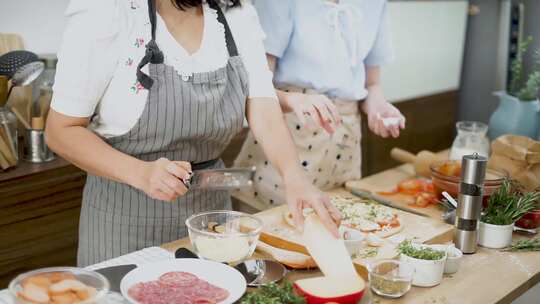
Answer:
(390, 278)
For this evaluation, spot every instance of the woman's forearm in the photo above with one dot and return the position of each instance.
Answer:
(86, 150)
(269, 128)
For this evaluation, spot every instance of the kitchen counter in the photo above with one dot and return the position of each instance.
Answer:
(487, 277)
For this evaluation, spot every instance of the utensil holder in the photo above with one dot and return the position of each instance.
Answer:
(35, 149)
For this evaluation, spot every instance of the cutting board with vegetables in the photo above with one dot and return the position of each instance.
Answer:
(386, 182)
(279, 234)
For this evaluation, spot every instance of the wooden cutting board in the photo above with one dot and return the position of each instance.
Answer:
(387, 181)
(421, 229)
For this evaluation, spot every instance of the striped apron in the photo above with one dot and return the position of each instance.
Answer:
(185, 118)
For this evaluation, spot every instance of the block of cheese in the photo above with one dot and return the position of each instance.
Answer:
(340, 283)
(329, 253)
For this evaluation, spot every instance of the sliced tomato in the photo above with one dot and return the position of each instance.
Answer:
(429, 187)
(425, 199)
(387, 192)
(410, 186)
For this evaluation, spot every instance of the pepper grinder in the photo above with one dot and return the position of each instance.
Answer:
(471, 188)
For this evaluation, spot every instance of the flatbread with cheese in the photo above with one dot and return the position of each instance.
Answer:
(366, 216)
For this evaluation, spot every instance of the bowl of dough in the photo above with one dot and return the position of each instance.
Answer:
(224, 236)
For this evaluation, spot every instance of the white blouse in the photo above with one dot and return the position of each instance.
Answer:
(104, 41)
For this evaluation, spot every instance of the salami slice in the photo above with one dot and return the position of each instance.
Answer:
(177, 287)
(178, 278)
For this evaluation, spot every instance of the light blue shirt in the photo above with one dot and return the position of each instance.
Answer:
(325, 46)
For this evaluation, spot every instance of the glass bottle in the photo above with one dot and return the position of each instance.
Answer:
(8, 133)
(471, 138)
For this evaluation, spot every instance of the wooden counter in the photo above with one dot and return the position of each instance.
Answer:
(486, 277)
(39, 216)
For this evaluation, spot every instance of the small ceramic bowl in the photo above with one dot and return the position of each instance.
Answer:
(453, 260)
(352, 238)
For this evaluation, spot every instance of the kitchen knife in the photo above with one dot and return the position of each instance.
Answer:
(221, 179)
(115, 274)
(383, 201)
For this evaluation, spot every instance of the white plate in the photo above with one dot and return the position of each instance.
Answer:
(214, 273)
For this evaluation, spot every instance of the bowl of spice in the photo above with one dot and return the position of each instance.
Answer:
(390, 278)
(428, 262)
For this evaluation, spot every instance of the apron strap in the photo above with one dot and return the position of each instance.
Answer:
(153, 53)
(229, 39)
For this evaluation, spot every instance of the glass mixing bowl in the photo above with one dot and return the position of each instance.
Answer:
(224, 236)
(446, 177)
(87, 277)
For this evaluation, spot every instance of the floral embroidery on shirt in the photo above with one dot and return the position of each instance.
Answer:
(129, 62)
(139, 42)
(137, 87)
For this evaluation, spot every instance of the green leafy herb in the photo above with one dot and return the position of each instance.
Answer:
(528, 90)
(273, 294)
(423, 253)
(508, 204)
(525, 245)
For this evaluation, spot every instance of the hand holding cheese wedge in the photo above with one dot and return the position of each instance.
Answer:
(340, 282)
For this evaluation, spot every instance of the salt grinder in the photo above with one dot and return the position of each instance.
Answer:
(471, 188)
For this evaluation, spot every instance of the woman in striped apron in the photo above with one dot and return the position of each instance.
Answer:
(135, 195)
(326, 55)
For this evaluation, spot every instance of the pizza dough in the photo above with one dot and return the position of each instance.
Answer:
(366, 216)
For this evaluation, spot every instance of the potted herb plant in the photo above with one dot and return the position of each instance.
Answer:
(428, 262)
(505, 206)
(519, 109)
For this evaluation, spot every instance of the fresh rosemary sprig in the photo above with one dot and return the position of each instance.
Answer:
(524, 245)
(408, 249)
(508, 204)
(273, 294)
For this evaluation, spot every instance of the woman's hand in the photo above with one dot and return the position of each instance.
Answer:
(301, 194)
(164, 179)
(383, 118)
(314, 111)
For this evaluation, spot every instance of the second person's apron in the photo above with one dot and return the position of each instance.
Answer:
(185, 118)
(328, 159)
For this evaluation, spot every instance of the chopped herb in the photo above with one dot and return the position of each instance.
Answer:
(273, 294)
(372, 214)
(368, 253)
(525, 245)
(424, 253)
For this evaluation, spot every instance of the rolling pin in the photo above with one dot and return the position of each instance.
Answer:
(421, 161)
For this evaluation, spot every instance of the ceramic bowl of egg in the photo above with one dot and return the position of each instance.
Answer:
(352, 238)
(59, 285)
(224, 236)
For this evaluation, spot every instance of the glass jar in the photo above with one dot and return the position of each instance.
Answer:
(42, 86)
(8, 136)
(471, 138)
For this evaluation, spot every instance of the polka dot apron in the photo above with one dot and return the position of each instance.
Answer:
(328, 159)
